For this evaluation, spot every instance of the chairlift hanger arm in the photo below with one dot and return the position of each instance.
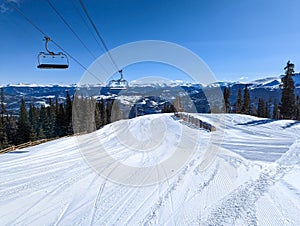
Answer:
(48, 39)
(121, 74)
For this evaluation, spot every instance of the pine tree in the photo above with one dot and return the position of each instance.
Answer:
(24, 129)
(116, 113)
(3, 134)
(261, 108)
(297, 114)
(51, 118)
(287, 108)
(60, 121)
(90, 107)
(267, 110)
(238, 104)
(33, 115)
(226, 95)
(108, 112)
(165, 108)
(246, 101)
(68, 115)
(275, 111)
(44, 124)
(102, 112)
(168, 108)
(3, 137)
(98, 121)
(2, 104)
(40, 134)
(33, 121)
(11, 129)
(32, 134)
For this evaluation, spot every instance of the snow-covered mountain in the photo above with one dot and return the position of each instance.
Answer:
(274, 82)
(245, 173)
(268, 83)
(158, 92)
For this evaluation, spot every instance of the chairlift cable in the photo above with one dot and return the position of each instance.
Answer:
(71, 29)
(86, 24)
(45, 35)
(74, 33)
(99, 35)
(113, 84)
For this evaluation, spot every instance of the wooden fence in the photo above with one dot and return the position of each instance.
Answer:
(24, 145)
(195, 121)
(33, 143)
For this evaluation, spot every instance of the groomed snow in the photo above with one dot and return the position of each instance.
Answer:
(248, 176)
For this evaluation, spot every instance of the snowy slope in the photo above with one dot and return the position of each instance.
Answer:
(53, 183)
(273, 82)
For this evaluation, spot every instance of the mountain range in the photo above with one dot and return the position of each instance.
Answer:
(147, 97)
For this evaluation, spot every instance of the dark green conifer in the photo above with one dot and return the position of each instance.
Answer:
(275, 111)
(287, 108)
(68, 115)
(246, 101)
(226, 95)
(24, 128)
(261, 108)
(238, 104)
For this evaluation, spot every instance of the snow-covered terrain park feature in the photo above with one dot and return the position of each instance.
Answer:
(248, 176)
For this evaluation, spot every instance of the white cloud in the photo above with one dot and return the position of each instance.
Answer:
(244, 78)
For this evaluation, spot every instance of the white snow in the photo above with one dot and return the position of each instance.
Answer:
(245, 173)
(37, 85)
(273, 82)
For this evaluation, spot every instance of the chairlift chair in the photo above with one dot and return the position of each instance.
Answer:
(119, 84)
(52, 60)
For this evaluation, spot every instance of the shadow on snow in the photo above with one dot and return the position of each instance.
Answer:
(256, 122)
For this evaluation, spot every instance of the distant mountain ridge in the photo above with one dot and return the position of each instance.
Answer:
(267, 88)
(264, 82)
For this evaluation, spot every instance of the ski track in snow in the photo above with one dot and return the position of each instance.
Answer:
(51, 184)
(241, 202)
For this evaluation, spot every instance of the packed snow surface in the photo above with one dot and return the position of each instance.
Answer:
(245, 173)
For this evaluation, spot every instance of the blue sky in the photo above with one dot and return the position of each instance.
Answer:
(238, 39)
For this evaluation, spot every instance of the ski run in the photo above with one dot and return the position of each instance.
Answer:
(245, 173)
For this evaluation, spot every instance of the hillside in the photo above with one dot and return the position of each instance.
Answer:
(243, 174)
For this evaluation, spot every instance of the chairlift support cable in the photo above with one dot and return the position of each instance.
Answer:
(99, 35)
(114, 84)
(86, 24)
(74, 33)
(69, 26)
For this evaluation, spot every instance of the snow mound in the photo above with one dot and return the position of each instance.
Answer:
(55, 183)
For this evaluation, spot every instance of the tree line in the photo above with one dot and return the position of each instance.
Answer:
(55, 119)
(287, 108)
